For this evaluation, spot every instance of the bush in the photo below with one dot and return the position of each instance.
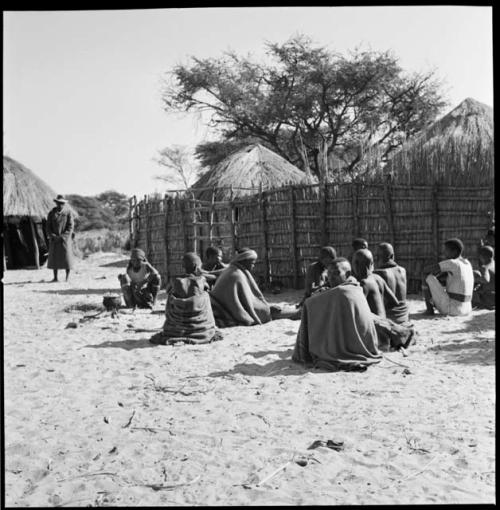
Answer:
(104, 240)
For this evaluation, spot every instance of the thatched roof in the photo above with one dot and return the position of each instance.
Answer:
(24, 193)
(245, 171)
(456, 149)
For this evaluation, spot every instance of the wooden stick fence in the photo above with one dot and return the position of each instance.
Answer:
(287, 226)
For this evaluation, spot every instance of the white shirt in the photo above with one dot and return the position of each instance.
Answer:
(461, 279)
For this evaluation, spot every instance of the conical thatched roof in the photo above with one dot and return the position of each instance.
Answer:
(24, 193)
(249, 168)
(456, 149)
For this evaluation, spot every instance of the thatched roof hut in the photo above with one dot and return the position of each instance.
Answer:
(245, 171)
(27, 200)
(24, 193)
(457, 150)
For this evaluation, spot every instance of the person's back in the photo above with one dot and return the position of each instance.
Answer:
(395, 278)
(373, 288)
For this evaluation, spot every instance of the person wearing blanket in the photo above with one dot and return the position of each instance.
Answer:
(189, 316)
(236, 298)
(337, 330)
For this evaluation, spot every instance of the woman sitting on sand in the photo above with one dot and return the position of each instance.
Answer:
(141, 283)
(236, 298)
(189, 316)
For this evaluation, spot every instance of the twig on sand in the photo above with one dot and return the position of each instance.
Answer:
(169, 487)
(84, 475)
(275, 472)
(153, 429)
(255, 414)
(129, 421)
(409, 477)
(395, 362)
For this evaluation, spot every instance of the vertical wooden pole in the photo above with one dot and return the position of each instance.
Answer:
(435, 221)
(35, 243)
(293, 233)
(388, 210)
(166, 203)
(232, 216)
(323, 190)
(262, 206)
(211, 218)
(146, 238)
(355, 217)
(193, 219)
(181, 208)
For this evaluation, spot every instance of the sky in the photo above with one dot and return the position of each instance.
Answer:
(82, 89)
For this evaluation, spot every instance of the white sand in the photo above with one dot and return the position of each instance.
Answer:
(226, 415)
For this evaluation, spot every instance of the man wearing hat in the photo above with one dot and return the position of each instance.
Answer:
(456, 298)
(60, 225)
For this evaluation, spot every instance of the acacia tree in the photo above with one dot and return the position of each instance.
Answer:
(306, 99)
(182, 170)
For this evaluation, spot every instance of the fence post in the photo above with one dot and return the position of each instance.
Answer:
(262, 205)
(211, 218)
(166, 203)
(435, 220)
(146, 240)
(355, 217)
(294, 238)
(323, 191)
(181, 206)
(388, 210)
(233, 221)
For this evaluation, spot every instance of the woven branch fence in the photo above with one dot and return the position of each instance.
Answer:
(287, 226)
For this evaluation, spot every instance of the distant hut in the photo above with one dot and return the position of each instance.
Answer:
(456, 150)
(246, 171)
(26, 202)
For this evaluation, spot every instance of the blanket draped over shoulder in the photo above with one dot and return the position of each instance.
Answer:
(337, 330)
(237, 300)
(189, 316)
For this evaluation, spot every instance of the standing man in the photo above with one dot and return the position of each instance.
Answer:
(60, 225)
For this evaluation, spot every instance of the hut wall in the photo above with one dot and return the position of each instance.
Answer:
(287, 226)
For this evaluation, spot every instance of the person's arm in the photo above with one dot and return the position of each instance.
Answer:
(390, 299)
(432, 269)
(70, 224)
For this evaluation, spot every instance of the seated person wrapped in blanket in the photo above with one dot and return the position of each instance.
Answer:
(189, 316)
(236, 298)
(337, 330)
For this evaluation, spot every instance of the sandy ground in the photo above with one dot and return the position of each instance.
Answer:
(96, 415)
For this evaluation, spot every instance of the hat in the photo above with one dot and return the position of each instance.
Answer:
(60, 199)
(137, 253)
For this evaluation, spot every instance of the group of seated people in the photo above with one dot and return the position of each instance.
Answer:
(350, 312)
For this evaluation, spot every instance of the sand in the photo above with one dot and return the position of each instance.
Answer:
(96, 415)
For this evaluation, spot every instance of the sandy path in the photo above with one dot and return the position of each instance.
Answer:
(98, 415)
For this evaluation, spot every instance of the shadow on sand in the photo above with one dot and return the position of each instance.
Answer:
(116, 263)
(128, 345)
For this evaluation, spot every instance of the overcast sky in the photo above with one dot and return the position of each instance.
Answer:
(82, 104)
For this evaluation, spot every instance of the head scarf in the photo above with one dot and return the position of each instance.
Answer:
(137, 253)
(246, 254)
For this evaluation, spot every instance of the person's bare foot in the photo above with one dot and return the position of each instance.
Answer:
(53, 280)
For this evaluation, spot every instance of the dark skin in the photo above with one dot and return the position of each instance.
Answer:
(212, 261)
(59, 207)
(395, 277)
(374, 287)
(338, 273)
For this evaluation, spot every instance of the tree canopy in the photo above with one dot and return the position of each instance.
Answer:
(306, 103)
